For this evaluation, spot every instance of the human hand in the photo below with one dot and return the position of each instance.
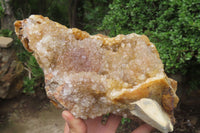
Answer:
(73, 125)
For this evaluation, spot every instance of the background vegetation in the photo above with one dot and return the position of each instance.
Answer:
(172, 25)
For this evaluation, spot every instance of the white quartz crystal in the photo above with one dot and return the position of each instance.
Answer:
(95, 75)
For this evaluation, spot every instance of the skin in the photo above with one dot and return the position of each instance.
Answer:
(74, 125)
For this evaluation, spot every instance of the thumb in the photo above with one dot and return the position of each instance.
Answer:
(145, 128)
(73, 125)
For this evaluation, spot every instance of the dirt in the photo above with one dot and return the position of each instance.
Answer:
(27, 114)
(35, 114)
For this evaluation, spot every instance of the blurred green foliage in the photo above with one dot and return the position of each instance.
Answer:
(58, 11)
(34, 75)
(6, 33)
(28, 85)
(125, 120)
(1, 10)
(55, 10)
(93, 14)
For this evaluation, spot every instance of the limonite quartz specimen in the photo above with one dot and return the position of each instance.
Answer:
(92, 75)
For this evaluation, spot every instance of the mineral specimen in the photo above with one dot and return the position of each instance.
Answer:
(92, 75)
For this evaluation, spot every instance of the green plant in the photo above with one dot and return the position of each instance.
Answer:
(34, 67)
(29, 85)
(125, 120)
(6, 33)
(57, 11)
(93, 13)
(1, 10)
(35, 74)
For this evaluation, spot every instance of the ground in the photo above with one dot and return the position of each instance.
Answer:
(30, 114)
(35, 114)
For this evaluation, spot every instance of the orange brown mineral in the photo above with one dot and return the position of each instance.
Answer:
(92, 75)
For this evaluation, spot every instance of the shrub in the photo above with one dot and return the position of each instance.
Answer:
(92, 13)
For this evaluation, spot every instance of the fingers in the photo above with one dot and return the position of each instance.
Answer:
(95, 125)
(73, 125)
(113, 122)
(145, 128)
(66, 130)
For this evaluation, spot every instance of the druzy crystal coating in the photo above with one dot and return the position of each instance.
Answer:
(92, 75)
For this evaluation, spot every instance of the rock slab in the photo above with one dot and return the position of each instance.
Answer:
(5, 42)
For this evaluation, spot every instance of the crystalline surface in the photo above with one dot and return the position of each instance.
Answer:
(95, 75)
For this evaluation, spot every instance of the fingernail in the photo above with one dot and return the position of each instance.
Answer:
(65, 115)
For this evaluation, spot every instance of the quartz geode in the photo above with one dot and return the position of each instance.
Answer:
(92, 75)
